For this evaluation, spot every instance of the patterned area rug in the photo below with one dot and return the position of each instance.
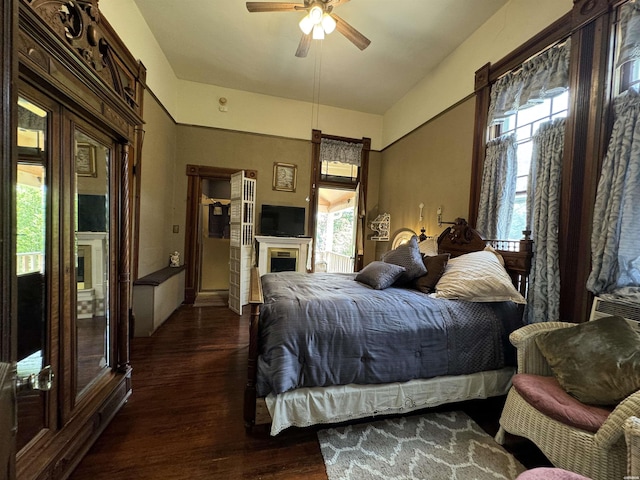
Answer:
(434, 446)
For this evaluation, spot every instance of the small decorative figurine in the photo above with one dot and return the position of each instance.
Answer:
(174, 259)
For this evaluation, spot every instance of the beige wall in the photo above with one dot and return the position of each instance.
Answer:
(214, 274)
(431, 165)
(448, 83)
(373, 203)
(157, 190)
(168, 148)
(232, 149)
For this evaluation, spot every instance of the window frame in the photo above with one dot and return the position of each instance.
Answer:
(317, 182)
(497, 129)
(590, 24)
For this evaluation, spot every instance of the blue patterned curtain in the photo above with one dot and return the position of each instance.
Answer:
(498, 189)
(616, 216)
(543, 208)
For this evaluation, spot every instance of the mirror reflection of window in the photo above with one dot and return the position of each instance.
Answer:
(31, 228)
(92, 258)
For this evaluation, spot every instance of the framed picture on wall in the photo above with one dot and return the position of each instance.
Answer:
(284, 177)
(86, 160)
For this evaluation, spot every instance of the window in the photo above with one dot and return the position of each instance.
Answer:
(616, 218)
(627, 53)
(339, 172)
(524, 123)
(629, 76)
(337, 204)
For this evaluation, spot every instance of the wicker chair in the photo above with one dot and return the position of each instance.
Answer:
(599, 456)
(632, 437)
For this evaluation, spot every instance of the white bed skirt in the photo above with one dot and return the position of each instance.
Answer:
(304, 407)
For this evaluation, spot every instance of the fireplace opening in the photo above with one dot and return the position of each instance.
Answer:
(282, 259)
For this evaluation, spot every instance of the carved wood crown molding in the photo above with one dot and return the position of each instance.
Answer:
(585, 11)
(79, 24)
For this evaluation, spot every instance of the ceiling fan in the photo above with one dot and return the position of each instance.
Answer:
(319, 20)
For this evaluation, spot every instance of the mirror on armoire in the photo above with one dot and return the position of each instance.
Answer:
(92, 259)
(31, 263)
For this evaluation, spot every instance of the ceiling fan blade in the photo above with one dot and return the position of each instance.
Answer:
(351, 33)
(273, 6)
(336, 3)
(303, 46)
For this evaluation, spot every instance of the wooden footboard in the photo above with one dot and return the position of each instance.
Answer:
(255, 301)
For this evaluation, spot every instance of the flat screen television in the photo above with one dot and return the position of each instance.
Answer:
(281, 221)
(92, 213)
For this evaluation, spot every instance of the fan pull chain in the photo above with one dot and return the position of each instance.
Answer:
(315, 110)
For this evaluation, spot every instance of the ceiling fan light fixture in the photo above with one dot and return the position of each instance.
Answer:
(328, 23)
(306, 25)
(318, 32)
(315, 14)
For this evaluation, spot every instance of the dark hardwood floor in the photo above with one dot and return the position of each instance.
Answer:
(184, 419)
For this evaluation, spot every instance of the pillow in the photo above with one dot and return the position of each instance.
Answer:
(489, 248)
(477, 277)
(597, 362)
(380, 275)
(429, 247)
(435, 268)
(408, 256)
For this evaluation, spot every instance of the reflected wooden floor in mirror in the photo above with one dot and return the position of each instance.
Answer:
(184, 418)
(91, 341)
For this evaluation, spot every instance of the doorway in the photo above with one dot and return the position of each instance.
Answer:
(338, 184)
(193, 265)
(213, 285)
(335, 237)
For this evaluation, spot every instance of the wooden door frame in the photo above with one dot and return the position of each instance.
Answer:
(195, 175)
(8, 327)
(317, 182)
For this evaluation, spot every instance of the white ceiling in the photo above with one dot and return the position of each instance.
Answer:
(219, 42)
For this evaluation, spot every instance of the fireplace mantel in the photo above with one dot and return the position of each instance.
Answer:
(301, 245)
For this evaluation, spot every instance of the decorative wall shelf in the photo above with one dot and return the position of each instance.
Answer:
(381, 225)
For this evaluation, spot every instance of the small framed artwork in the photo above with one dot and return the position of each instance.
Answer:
(284, 177)
(86, 160)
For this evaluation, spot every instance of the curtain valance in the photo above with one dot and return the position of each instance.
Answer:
(340, 151)
(545, 75)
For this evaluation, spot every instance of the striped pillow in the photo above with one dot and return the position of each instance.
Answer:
(477, 277)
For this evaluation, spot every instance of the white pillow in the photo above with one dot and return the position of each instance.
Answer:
(429, 247)
(477, 277)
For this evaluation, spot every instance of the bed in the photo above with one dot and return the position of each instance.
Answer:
(325, 348)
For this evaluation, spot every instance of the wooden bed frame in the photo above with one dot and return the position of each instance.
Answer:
(457, 239)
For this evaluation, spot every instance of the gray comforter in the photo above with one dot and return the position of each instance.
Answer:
(325, 329)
